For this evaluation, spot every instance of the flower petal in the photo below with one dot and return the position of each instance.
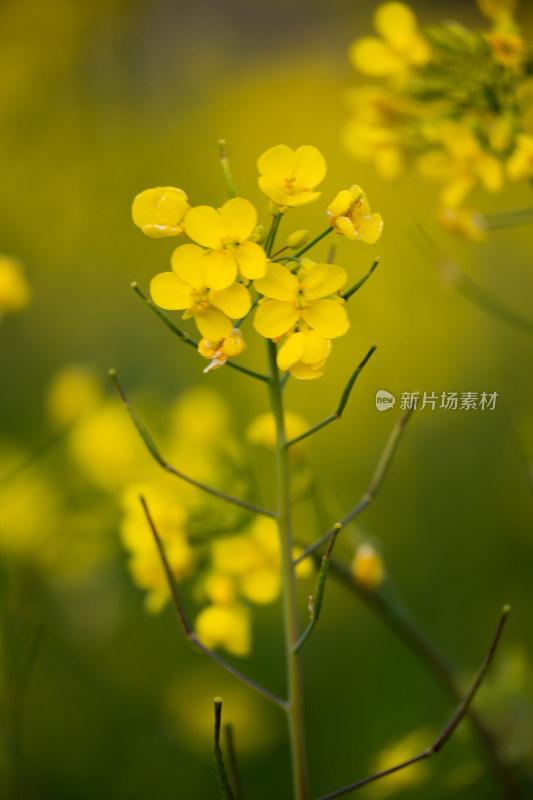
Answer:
(305, 372)
(220, 269)
(316, 349)
(291, 351)
(160, 211)
(239, 218)
(323, 279)
(277, 163)
(251, 259)
(273, 318)
(235, 301)
(371, 56)
(213, 324)
(170, 292)
(397, 24)
(204, 225)
(309, 166)
(187, 262)
(327, 317)
(279, 283)
(370, 228)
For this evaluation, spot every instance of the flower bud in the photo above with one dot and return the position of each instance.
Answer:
(297, 239)
(259, 235)
(234, 345)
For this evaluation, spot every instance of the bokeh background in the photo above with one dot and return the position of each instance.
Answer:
(97, 102)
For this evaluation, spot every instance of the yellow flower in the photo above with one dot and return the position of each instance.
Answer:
(225, 626)
(262, 430)
(507, 47)
(226, 233)
(400, 47)
(15, 292)
(367, 567)
(291, 298)
(304, 353)
(520, 163)
(73, 393)
(186, 289)
(350, 215)
(160, 211)
(220, 351)
(463, 222)
(288, 177)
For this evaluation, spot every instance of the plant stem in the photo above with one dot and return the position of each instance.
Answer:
(316, 240)
(290, 600)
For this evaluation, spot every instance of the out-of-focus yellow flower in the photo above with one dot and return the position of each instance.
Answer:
(304, 353)
(73, 393)
(367, 567)
(520, 163)
(15, 291)
(220, 351)
(400, 47)
(507, 47)
(408, 747)
(145, 564)
(160, 212)
(461, 164)
(288, 177)
(226, 233)
(463, 222)
(221, 589)
(499, 11)
(225, 626)
(186, 288)
(262, 430)
(350, 216)
(291, 298)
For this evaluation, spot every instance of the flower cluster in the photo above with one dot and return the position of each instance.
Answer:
(230, 267)
(451, 102)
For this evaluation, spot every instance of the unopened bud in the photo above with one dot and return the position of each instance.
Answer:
(234, 345)
(259, 234)
(297, 239)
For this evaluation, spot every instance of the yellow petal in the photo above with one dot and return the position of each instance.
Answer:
(220, 269)
(301, 199)
(305, 372)
(316, 348)
(234, 301)
(187, 262)
(309, 166)
(397, 24)
(170, 292)
(273, 318)
(371, 56)
(261, 586)
(370, 228)
(341, 204)
(323, 279)
(279, 283)
(160, 211)
(204, 225)
(327, 317)
(276, 164)
(251, 259)
(273, 190)
(345, 226)
(213, 324)
(491, 173)
(239, 218)
(291, 351)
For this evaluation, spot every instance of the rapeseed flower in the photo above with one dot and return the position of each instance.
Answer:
(304, 353)
(186, 289)
(306, 296)
(160, 212)
(225, 626)
(219, 352)
(367, 567)
(288, 177)
(226, 233)
(350, 216)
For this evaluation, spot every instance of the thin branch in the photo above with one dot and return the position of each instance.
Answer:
(185, 336)
(151, 446)
(447, 731)
(342, 403)
(185, 624)
(316, 240)
(315, 602)
(232, 760)
(355, 288)
(220, 769)
(384, 463)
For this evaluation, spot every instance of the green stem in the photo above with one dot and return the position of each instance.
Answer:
(294, 706)
(226, 169)
(315, 241)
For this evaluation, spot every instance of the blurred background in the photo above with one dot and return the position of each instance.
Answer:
(97, 102)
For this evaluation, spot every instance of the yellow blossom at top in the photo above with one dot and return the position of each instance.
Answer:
(400, 47)
(160, 212)
(15, 292)
(304, 353)
(226, 233)
(288, 177)
(186, 289)
(350, 215)
(305, 296)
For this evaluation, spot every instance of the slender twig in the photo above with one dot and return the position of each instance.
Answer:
(409, 630)
(355, 288)
(185, 336)
(447, 731)
(316, 240)
(226, 169)
(342, 403)
(384, 463)
(220, 769)
(233, 768)
(315, 602)
(186, 625)
(152, 447)
(271, 235)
